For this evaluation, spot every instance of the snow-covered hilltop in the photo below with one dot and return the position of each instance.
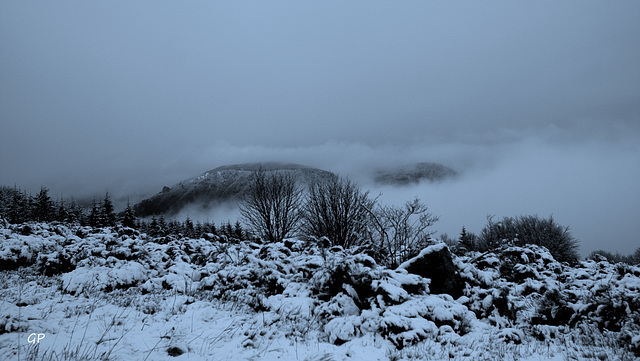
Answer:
(223, 184)
(116, 293)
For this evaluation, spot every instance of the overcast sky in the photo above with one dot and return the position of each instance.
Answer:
(536, 103)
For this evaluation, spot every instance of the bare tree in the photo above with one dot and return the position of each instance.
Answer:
(272, 206)
(400, 233)
(338, 210)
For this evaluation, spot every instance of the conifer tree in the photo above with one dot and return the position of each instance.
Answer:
(467, 241)
(5, 202)
(18, 208)
(228, 229)
(129, 217)
(237, 231)
(162, 226)
(108, 215)
(200, 230)
(29, 209)
(189, 230)
(43, 207)
(174, 227)
(75, 213)
(153, 228)
(62, 212)
(213, 229)
(95, 215)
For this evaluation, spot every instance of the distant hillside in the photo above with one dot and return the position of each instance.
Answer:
(220, 185)
(413, 173)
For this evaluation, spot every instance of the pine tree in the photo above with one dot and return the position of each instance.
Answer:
(162, 226)
(18, 210)
(75, 213)
(44, 209)
(228, 229)
(95, 215)
(62, 211)
(189, 230)
(108, 215)
(199, 230)
(29, 209)
(213, 228)
(174, 227)
(467, 241)
(129, 217)
(5, 202)
(237, 231)
(153, 229)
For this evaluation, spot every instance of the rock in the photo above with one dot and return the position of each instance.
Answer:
(435, 263)
(176, 351)
(25, 230)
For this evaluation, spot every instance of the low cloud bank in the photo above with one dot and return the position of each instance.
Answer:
(590, 186)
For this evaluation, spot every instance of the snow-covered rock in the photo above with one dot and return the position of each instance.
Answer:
(435, 262)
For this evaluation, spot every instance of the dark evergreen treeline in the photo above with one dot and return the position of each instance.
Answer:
(18, 206)
(158, 227)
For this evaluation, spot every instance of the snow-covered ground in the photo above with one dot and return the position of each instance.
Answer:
(116, 294)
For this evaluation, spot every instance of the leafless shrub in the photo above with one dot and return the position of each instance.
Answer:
(338, 210)
(272, 206)
(400, 233)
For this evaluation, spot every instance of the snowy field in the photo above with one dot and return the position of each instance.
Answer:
(116, 294)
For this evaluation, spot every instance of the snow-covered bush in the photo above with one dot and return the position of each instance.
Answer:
(525, 230)
(421, 317)
(525, 286)
(20, 250)
(9, 320)
(57, 262)
(513, 294)
(240, 273)
(554, 309)
(367, 298)
(118, 275)
(344, 273)
(503, 284)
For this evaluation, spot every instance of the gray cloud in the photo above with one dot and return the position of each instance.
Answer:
(132, 96)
